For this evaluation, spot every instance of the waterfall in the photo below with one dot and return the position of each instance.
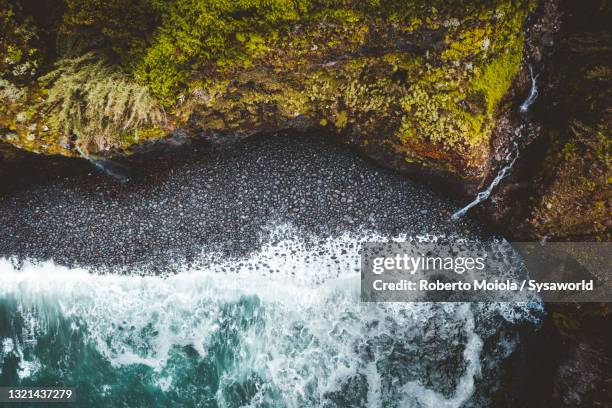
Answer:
(483, 195)
(533, 93)
(111, 168)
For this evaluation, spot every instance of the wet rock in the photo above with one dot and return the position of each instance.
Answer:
(547, 39)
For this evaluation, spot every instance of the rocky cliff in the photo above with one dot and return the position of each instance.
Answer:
(432, 89)
(560, 188)
(419, 85)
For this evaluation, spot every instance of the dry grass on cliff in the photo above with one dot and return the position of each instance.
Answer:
(9, 93)
(87, 98)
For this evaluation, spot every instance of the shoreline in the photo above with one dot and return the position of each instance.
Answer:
(219, 197)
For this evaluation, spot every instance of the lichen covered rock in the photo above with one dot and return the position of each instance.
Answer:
(421, 82)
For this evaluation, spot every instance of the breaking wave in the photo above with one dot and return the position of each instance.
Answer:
(281, 327)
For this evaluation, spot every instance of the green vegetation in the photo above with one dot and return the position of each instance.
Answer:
(9, 93)
(424, 79)
(454, 100)
(88, 99)
(421, 82)
(19, 55)
(196, 33)
(119, 28)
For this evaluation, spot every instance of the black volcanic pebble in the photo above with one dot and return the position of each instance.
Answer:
(224, 199)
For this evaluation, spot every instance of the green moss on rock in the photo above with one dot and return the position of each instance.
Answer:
(454, 99)
(19, 47)
(197, 33)
(423, 80)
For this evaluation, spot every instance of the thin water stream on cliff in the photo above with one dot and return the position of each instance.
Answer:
(111, 168)
(510, 158)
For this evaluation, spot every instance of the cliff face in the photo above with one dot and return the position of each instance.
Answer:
(418, 85)
(574, 176)
(561, 187)
(560, 190)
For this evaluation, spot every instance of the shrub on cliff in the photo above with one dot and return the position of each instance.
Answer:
(88, 99)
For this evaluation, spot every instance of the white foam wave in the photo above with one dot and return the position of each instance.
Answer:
(307, 333)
